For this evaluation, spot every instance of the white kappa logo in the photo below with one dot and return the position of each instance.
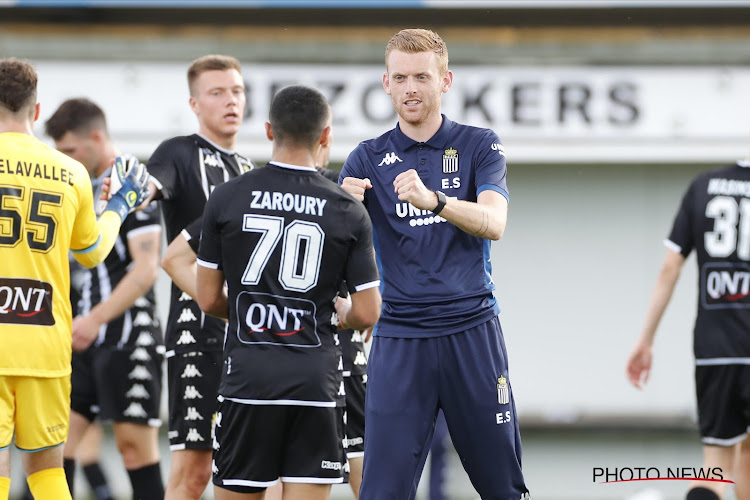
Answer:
(193, 435)
(192, 393)
(192, 414)
(137, 391)
(140, 354)
(186, 315)
(186, 338)
(144, 338)
(135, 410)
(389, 159)
(191, 371)
(140, 372)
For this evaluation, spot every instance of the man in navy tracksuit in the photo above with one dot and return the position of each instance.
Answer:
(437, 197)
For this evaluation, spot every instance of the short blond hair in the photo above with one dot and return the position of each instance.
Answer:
(211, 62)
(414, 40)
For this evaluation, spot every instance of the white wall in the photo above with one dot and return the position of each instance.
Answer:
(575, 270)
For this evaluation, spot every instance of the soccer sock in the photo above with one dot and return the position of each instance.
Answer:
(146, 482)
(49, 484)
(701, 494)
(27, 493)
(4, 488)
(97, 481)
(69, 466)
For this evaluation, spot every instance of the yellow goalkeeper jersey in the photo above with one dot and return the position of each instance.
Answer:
(46, 210)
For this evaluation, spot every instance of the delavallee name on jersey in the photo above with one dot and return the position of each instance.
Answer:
(263, 318)
(725, 285)
(25, 302)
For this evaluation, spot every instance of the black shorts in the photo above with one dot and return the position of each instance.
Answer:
(355, 386)
(122, 385)
(257, 444)
(723, 393)
(193, 381)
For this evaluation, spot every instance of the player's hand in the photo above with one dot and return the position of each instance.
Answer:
(128, 185)
(367, 334)
(356, 187)
(342, 306)
(85, 331)
(409, 187)
(639, 365)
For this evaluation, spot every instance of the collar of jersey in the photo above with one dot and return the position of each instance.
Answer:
(437, 141)
(292, 167)
(216, 146)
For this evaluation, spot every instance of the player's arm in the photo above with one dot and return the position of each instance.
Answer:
(485, 219)
(133, 178)
(361, 311)
(639, 362)
(179, 260)
(211, 293)
(144, 250)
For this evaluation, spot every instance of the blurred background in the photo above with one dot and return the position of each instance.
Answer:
(607, 110)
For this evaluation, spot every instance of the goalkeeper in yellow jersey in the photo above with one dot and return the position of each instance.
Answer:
(46, 211)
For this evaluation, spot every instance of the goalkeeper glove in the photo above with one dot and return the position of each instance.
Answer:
(128, 185)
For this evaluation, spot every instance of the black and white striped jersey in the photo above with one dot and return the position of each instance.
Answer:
(186, 170)
(714, 219)
(139, 325)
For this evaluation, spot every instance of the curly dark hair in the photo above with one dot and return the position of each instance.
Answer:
(17, 84)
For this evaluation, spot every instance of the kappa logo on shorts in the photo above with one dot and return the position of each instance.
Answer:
(329, 464)
(190, 371)
(26, 302)
(215, 469)
(186, 338)
(360, 359)
(143, 319)
(135, 410)
(192, 393)
(342, 391)
(192, 414)
(140, 354)
(137, 391)
(184, 297)
(145, 339)
(193, 435)
(186, 315)
(140, 372)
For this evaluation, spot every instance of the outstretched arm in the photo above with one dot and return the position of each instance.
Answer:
(639, 362)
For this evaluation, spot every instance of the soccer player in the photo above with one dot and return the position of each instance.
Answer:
(437, 195)
(713, 221)
(355, 367)
(185, 170)
(283, 238)
(119, 377)
(47, 209)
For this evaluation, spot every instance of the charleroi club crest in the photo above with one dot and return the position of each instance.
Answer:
(450, 161)
(503, 394)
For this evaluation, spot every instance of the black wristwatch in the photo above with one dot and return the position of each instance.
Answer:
(441, 202)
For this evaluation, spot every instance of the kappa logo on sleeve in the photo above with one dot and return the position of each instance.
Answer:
(271, 319)
(25, 302)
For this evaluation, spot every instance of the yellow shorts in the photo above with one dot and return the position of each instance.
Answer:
(37, 408)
